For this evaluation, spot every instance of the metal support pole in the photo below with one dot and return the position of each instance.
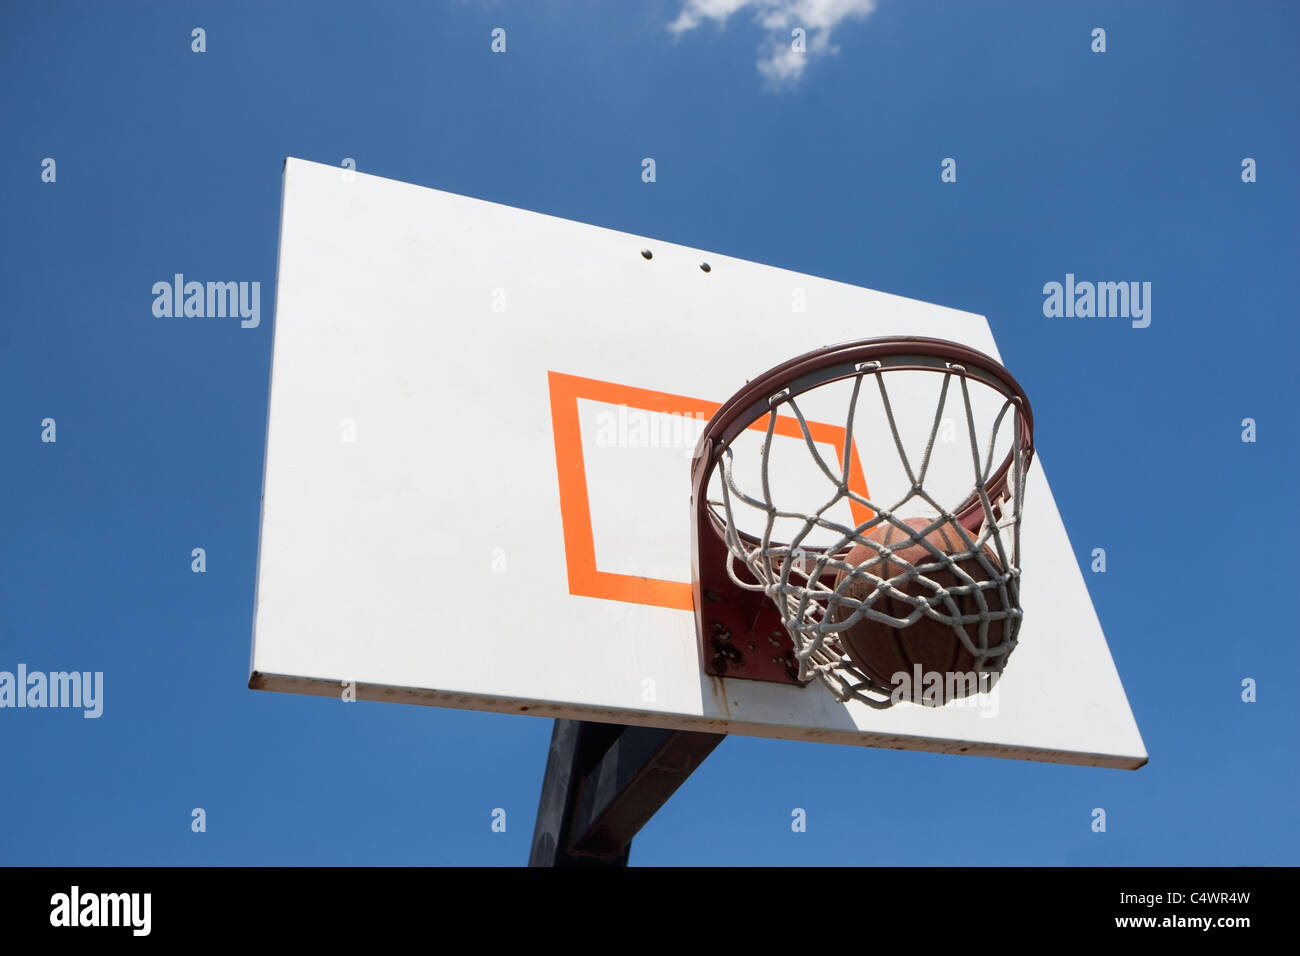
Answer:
(603, 783)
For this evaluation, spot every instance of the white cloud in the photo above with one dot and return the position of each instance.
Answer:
(777, 60)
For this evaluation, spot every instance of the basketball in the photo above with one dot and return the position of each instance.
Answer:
(881, 650)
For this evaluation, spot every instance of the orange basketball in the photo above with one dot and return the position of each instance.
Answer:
(882, 650)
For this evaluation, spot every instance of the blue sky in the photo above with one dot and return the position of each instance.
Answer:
(1123, 165)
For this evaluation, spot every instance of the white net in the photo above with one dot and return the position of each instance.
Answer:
(927, 554)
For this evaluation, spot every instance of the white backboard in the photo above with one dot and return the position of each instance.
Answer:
(477, 485)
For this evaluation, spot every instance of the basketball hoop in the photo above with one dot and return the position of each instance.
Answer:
(862, 584)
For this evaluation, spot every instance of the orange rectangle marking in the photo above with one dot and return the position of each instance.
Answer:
(585, 578)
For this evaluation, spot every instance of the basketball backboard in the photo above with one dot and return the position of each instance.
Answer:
(477, 480)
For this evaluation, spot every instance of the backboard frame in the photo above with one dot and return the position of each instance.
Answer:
(378, 280)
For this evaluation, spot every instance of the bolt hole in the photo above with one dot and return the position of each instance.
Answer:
(647, 254)
(705, 267)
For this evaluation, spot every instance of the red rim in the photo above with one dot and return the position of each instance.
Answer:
(838, 362)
